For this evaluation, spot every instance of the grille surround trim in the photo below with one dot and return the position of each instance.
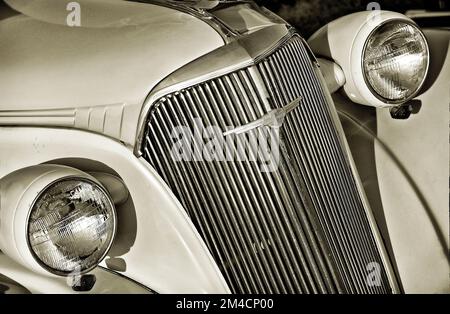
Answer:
(243, 52)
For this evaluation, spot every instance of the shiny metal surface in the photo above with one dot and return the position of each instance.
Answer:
(422, 82)
(303, 228)
(26, 281)
(69, 243)
(241, 53)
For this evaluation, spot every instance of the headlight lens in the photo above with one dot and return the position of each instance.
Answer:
(395, 61)
(71, 226)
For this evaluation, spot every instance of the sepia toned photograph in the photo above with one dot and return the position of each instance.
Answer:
(224, 152)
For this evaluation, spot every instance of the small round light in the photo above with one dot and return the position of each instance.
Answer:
(395, 61)
(71, 226)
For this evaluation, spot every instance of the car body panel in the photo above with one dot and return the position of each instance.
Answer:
(106, 67)
(404, 168)
(156, 244)
(70, 71)
(414, 186)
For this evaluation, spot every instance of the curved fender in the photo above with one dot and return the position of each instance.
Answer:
(167, 254)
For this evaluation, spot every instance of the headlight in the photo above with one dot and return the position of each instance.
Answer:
(71, 226)
(395, 61)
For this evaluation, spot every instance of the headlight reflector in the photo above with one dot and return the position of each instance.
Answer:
(395, 61)
(71, 226)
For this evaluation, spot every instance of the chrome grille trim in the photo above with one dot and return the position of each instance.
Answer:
(298, 240)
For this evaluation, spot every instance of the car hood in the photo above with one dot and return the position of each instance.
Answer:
(120, 51)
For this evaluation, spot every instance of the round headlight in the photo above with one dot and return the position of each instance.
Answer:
(71, 226)
(395, 61)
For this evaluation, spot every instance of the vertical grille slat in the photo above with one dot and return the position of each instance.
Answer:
(351, 190)
(314, 151)
(300, 233)
(233, 173)
(292, 79)
(250, 115)
(312, 186)
(220, 212)
(274, 221)
(297, 158)
(313, 160)
(303, 219)
(302, 228)
(249, 233)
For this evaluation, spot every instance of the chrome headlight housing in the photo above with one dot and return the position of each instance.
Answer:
(395, 61)
(71, 226)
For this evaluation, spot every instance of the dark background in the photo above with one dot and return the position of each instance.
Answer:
(309, 15)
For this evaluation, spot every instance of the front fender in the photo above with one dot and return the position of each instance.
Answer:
(404, 168)
(156, 244)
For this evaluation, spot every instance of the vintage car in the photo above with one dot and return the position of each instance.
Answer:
(113, 177)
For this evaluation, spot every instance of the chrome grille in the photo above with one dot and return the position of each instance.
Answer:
(300, 229)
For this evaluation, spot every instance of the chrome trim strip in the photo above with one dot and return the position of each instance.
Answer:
(393, 281)
(239, 54)
(122, 276)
